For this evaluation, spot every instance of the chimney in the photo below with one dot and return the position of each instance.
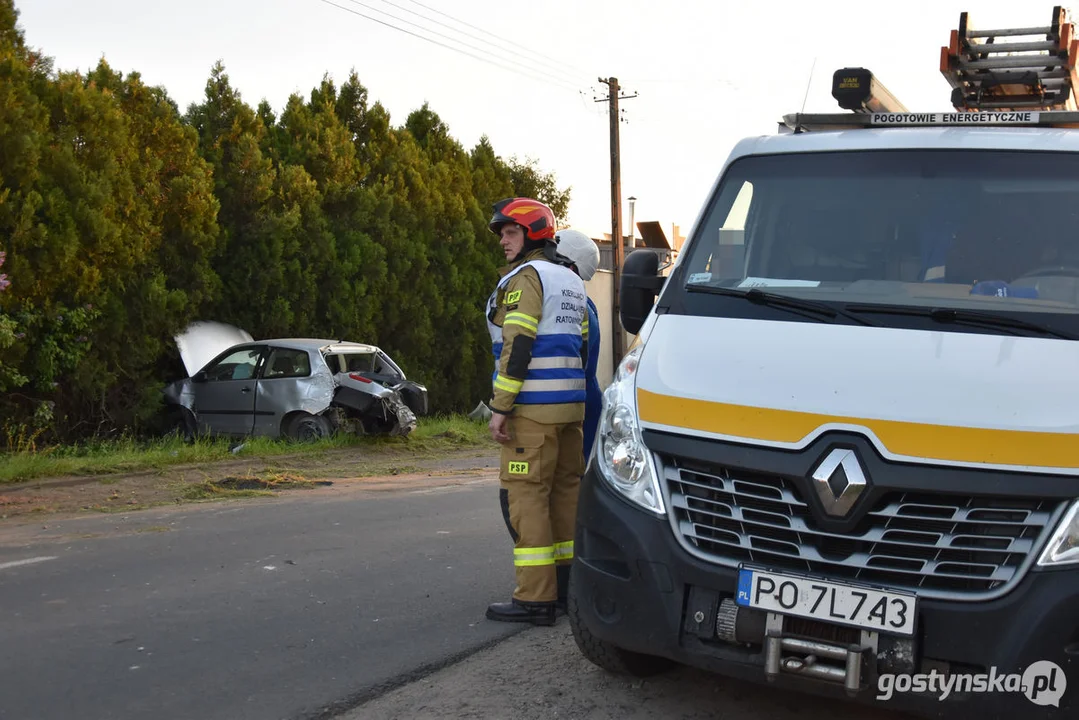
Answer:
(676, 237)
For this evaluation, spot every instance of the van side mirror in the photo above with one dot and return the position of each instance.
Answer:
(641, 282)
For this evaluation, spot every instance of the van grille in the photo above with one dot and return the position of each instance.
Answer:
(935, 544)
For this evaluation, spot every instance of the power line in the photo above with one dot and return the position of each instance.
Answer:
(514, 48)
(572, 77)
(566, 84)
(448, 47)
(550, 77)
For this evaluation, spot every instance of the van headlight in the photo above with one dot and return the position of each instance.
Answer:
(1063, 547)
(624, 461)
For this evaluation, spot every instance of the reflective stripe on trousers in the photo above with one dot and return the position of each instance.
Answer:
(532, 557)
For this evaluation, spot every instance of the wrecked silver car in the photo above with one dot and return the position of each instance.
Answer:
(303, 389)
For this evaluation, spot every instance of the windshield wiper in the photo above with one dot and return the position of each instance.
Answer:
(963, 317)
(805, 308)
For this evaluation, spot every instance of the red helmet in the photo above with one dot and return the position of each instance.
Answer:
(535, 217)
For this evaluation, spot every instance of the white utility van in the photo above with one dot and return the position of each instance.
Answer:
(843, 454)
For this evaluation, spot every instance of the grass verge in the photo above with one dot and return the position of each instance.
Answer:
(126, 455)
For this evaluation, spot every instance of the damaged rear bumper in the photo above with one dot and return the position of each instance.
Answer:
(363, 413)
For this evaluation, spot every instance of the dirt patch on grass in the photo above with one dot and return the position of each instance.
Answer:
(332, 471)
(249, 486)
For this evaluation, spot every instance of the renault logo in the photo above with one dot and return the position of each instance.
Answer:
(839, 481)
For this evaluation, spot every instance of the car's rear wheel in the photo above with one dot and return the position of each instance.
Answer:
(602, 653)
(305, 427)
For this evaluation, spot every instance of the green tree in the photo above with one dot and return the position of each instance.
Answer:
(124, 192)
(174, 278)
(101, 189)
(123, 220)
(529, 181)
(23, 133)
(253, 251)
(467, 255)
(337, 268)
(10, 377)
(491, 177)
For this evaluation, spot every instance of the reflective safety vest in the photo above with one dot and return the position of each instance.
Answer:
(555, 373)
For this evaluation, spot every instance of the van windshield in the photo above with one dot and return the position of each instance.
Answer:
(983, 231)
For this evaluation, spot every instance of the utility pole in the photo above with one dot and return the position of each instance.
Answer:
(616, 212)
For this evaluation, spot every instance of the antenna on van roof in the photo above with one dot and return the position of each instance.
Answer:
(809, 84)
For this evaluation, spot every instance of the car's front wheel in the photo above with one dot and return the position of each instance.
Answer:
(305, 427)
(181, 422)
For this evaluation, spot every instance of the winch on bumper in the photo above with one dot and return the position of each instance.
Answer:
(635, 590)
(790, 645)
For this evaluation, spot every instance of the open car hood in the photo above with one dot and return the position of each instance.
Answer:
(202, 341)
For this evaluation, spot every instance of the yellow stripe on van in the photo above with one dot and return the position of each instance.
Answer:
(934, 442)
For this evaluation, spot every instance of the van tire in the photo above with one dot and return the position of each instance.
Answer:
(602, 653)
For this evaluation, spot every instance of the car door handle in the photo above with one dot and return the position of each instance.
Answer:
(245, 389)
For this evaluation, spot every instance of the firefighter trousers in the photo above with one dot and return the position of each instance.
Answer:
(540, 474)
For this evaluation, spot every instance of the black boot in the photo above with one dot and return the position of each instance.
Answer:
(562, 573)
(522, 612)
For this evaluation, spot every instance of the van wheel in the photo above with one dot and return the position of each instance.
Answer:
(607, 656)
(305, 427)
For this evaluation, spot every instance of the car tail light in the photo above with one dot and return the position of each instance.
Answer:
(361, 378)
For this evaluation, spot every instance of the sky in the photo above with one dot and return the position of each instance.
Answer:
(526, 74)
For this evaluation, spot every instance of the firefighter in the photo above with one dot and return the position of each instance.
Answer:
(536, 320)
(583, 255)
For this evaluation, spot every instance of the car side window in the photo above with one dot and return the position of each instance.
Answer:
(361, 362)
(239, 365)
(287, 363)
(383, 366)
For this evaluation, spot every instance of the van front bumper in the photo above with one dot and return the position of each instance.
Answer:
(639, 590)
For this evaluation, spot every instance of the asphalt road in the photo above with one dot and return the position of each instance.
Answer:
(364, 600)
(296, 607)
